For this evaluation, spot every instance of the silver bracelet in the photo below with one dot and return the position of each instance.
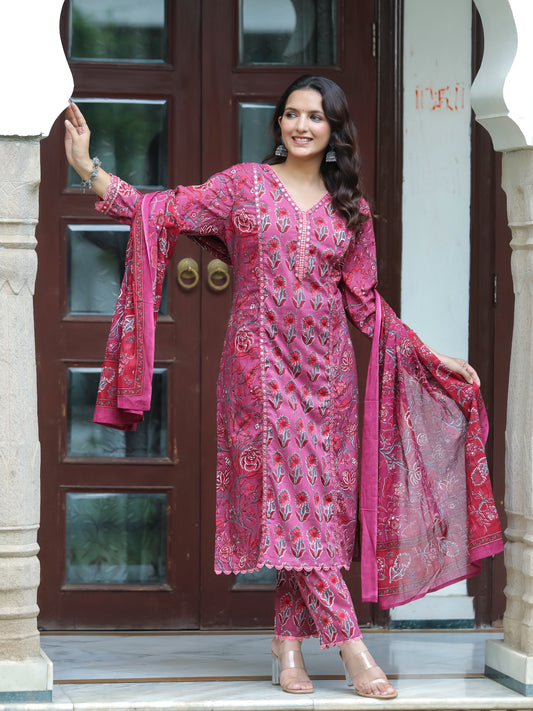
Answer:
(87, 184)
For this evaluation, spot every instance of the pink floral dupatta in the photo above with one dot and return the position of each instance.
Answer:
(125, 388)
(427, 514)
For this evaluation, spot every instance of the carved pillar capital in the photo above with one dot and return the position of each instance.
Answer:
(501, 93)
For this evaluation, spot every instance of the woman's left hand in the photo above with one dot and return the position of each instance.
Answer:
(459, 366)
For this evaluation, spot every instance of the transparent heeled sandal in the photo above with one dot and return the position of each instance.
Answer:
(292, 659)
(363, 662)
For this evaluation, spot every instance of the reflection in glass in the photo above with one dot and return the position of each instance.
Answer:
(123, 30)
(288, 32)
(96, 255)
(255, 139)
(264, 576)
(86, 439)
(115, 538)
(130, 138)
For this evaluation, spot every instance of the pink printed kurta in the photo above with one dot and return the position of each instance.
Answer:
(287, 393)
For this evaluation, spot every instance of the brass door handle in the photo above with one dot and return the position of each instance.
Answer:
(188, 273)
(218, 277)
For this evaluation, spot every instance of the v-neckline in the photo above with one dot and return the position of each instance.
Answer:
(289, 197)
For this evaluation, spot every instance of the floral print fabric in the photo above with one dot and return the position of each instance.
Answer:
(436, 516)
(314, 603)
(287, 393)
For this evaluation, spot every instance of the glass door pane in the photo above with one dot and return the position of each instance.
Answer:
(255, 139)
(87, 439)
(288, 32)
(95, 268)
(130, 136)
(118, 30)
(116, 538)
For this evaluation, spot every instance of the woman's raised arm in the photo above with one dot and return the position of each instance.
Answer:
(77, 138)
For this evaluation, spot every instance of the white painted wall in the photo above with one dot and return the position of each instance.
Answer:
(35, 82)
(436, 189)
(436, 206)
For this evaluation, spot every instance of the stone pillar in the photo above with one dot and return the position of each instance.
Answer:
(25, 672)
(518, 619)
(502, 97)
(36, 84)
(511, 662)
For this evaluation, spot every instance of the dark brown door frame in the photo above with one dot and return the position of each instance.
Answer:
(389, 148)
(491, 326)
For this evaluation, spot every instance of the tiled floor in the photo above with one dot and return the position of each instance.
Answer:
(206, 671)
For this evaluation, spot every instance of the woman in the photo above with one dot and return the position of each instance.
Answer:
(299, 236)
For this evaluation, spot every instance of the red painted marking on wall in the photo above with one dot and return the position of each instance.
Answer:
(446, 98)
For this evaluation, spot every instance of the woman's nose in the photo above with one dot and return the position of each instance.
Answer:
(301, 123)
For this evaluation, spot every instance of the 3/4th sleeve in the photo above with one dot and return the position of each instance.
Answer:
(359, 276)
(199, 211)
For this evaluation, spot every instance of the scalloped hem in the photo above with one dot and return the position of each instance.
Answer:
(292, 638)
(304, 568)
(327, 645)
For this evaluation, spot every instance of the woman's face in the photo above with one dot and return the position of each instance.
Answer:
(305, 130)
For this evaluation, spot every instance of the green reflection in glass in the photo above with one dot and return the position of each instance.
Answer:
(130, 138)
(115, 538)
(264, 576)
(118, 30)
(288, 32)
(87, 439)
(96, 257)
(255, 139)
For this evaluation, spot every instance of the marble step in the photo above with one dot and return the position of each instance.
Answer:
(229, 672)
(452, 694)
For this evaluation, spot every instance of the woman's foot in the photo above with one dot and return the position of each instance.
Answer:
(288, 668)
(367, 678)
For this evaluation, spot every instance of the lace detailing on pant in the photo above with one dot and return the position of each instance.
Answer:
(314, 603)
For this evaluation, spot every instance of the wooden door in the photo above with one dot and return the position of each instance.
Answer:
(128, 520)
(242, 79)
(120, 511)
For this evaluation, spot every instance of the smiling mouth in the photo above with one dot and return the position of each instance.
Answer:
(301, 139)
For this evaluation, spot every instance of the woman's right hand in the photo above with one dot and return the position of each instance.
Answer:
(77, 138)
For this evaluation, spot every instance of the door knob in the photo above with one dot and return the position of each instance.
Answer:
(188, 273)
(218, 277)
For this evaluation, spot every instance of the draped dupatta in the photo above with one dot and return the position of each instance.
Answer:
(426, 512)
(125, 388)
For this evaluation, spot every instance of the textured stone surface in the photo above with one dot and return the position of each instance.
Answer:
(518, 619)
(19, 444)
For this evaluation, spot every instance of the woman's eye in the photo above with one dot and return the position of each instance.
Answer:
(316, 117)
(290, 114)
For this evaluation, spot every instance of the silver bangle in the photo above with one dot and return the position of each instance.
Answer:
(87, 184)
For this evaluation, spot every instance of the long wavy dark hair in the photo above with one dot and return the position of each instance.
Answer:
(342, 177)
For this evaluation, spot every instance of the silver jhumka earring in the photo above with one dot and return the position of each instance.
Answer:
(331, 156)
(281, 151)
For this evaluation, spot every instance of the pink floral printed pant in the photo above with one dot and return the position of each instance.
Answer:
(314, 603)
